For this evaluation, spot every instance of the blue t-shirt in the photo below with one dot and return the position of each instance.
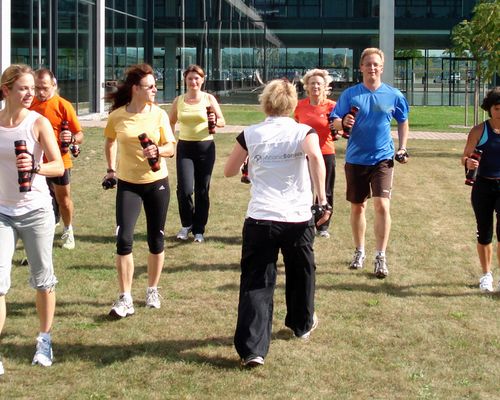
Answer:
(370, 141)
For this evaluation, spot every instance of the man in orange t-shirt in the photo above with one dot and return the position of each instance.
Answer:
(56, 109)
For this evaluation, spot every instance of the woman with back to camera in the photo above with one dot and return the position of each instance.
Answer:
(314, 111)
(195, 152)
(133, 112)
(485, 195)
(278, 218)
(27, 214)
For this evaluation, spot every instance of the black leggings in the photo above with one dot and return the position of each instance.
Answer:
(155, 197)
(195, 163)
(485, 199)
(329, 184)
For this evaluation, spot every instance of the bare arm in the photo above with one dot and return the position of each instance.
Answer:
(403, 131)
(348, 121)
(316, 165)
(472, 141)
(54, 165)
(172, 114)
(78, 137)
(110, 149)
(235, 160)
(221, 122)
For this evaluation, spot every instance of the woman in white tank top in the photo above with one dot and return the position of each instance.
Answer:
(25, 206)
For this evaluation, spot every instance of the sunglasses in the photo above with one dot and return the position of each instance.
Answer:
(148, 87)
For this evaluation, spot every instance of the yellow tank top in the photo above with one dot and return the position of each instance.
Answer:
(193, 121)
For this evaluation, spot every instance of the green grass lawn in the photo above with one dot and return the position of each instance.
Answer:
(422, 118)
(423, 333)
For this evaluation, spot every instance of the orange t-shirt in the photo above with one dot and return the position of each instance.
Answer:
(56, 109)
(317, 117)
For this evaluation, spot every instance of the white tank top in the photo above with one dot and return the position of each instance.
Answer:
(281, 186)
(13, 202)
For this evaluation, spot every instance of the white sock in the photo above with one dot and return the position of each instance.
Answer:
(152, 288)
(44, 335)
(68, 228)
(127, 296)
(361, 250)
(380, 253)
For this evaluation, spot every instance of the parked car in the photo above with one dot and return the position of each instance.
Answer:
(443, 77)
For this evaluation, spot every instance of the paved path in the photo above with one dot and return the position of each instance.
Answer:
(99, 121)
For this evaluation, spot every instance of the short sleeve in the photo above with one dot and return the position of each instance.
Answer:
(109, 130)
(401, 109)
(241, 140)
(166, 135)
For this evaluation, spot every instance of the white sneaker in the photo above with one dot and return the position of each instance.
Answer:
(380, 267)
(307, 335)
(153, 298)
(43, 355)
(486, 283)
(2, 371)
(184, 233)
(68, 239)
(122, 308)
(323, 234)
(198, 238)
(252, 361)
(357, 260)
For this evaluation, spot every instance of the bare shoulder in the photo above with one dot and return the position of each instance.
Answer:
(477, 130)
(212, 98)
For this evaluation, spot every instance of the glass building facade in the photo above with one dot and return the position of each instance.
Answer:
(240, 43)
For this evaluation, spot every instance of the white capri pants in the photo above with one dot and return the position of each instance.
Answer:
(36, 230)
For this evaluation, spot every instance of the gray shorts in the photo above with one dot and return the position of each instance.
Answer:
(36, 230)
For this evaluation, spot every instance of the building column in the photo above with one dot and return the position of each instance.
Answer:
(170, 68)
(100, 56)
(386, 32)
(5, 34)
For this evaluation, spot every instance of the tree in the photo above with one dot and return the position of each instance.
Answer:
(479, 39)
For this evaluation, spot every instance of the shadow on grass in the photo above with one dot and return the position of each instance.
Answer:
(202, 268)
(140, 270)
(105, 355)
(94, 239)
(391, 289)
(173, 242)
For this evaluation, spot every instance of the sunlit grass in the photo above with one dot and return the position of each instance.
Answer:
(424, 333)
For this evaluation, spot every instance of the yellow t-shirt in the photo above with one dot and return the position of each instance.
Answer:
(193, 120)
(125, 127)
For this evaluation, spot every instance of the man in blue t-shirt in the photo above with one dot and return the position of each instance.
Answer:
(367, 110)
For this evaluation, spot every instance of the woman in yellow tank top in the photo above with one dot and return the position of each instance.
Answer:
(195, 151)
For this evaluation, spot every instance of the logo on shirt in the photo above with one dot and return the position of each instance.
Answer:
(260, 159)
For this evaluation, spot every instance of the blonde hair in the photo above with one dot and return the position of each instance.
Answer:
(323, 74)
(369, 51)
(12, 74)
(279, 98)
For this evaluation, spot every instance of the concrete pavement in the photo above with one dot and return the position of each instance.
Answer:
(99, 121)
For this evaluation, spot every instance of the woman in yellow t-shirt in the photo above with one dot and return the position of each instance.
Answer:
(195, 152)
(142, 179)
